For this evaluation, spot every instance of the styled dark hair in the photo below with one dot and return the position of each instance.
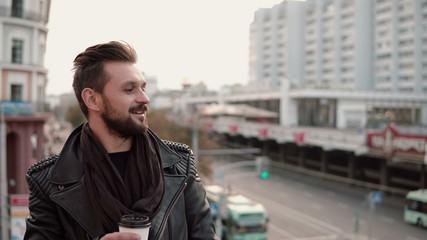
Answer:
(89, 67)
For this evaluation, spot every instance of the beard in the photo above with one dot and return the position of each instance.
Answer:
(124, 125)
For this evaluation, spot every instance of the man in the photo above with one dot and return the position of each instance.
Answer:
(114, 165)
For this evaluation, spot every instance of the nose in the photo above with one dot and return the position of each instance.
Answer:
(142, 97)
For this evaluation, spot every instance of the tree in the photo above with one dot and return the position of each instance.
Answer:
(169, 129)
(74, 115)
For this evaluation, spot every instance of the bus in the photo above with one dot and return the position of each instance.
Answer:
(242, 218)
(415, 210)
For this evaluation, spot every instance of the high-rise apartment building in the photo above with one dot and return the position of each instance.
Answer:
(338, 44)
(345, 44)
(276, 45)
(344, 63)
(23, 79)
(400, 45)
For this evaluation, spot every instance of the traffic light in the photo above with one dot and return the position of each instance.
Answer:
(262, 166)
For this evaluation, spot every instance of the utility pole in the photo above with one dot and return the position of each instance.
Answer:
(195, 138)
(373, 199)
(3, 182)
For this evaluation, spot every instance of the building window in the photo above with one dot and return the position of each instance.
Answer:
(380, 116)
(317, 112)
(18, 8)
(17, 50)
(16, 92)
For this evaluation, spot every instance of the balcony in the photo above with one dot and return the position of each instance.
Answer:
(16, 108)
(27, 15)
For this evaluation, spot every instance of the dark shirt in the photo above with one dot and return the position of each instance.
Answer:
(120, 160)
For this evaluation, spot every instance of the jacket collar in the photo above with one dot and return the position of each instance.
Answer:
(68, 168)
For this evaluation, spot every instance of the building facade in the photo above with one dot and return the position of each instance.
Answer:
(343, 63)
(339, 72)
(23, 79)
(275, 46)
(345, 44)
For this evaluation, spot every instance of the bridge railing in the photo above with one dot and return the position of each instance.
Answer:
(327, 138)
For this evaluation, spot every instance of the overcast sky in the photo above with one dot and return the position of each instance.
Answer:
(197, 40)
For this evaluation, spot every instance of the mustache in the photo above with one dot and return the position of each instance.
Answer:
(141, 107)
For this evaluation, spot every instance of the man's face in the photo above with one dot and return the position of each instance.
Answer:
(124, 102)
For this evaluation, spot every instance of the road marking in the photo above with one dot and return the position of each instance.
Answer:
(282, 232)
(387, 220)
(331, 194)
(284, 195)
(306, 219)
(316, 206)
(308, 194)
(411, 238)
(343, 205)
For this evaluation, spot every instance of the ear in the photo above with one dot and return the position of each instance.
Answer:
(91, 99)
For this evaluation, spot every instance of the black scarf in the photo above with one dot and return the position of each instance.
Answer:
(142, 189)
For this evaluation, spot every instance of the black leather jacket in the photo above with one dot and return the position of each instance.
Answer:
(59, 206)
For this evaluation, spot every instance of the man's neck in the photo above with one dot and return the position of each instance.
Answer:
(111, 141)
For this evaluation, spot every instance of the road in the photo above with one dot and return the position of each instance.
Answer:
(307, 208)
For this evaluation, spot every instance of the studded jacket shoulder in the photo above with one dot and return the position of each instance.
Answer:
(184, 167)
(187, 167)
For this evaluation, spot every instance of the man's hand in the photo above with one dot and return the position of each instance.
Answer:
(121, 236)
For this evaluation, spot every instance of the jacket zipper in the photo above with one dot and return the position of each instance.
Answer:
(168, 211)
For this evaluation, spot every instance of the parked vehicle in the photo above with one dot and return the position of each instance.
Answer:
(415, 210)
(242, 218)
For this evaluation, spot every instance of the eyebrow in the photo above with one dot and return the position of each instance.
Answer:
(133, 83)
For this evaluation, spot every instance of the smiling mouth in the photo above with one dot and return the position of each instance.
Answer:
(138, 112)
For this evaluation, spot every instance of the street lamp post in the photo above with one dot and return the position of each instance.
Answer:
(195, 137)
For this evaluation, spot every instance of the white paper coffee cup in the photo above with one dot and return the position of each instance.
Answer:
(135, 224)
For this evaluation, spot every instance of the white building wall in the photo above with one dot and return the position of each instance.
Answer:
(288, 106)
(351, 114)
(418, 44)
(17, 32)
(18, 78)
(363, 44)
(295, 42)
(424, 114)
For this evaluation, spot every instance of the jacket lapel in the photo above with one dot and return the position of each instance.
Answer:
(75, 201)
(68, 175)
(174, 186)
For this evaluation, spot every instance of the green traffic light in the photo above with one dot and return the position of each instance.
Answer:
(264, 174)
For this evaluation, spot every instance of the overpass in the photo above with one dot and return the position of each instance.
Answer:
(330, 131)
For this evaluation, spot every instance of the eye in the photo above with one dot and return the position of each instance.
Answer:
(129, 90)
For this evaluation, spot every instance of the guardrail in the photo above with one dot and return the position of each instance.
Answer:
(327, 138)
(387, 189)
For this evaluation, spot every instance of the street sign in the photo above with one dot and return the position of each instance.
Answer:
(214, 209)
(18, 213)
(376, 197)
(19, 200)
